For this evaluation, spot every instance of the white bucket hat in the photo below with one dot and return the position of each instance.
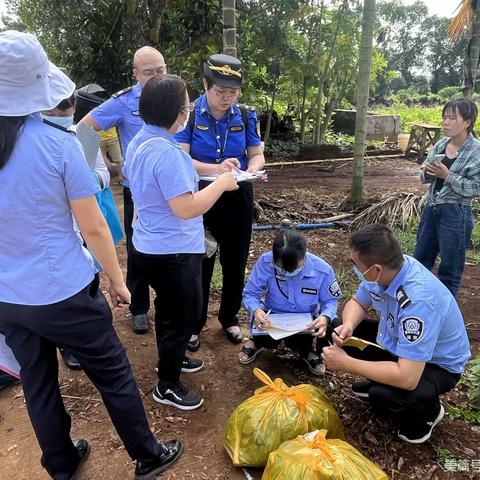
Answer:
(29, 83)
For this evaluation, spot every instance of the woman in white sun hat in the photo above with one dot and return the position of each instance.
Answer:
(48, 293)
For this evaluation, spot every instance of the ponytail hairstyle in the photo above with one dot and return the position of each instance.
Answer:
(466, 108)
(10, 129)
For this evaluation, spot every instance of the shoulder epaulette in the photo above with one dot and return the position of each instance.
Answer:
(121, 92)
(57, 126)
(402, 298)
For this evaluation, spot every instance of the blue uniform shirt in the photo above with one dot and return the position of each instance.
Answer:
(212, 141)
(419, 319)
(41, 260)
(157, 172)
(314, 289)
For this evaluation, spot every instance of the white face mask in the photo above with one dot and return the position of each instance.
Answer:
(65, 122)
(181, 127)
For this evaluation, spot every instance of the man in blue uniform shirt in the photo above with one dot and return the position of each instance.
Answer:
(420, 327)
(122, 111)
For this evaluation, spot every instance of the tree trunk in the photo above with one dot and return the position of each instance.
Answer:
(229, 28)
(323, 76)
(332, 105)
(363, 87)
(470, 67)
(303, 113)
(266, 137)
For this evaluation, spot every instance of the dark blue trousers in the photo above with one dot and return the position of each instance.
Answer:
(136, 283)
(81, 324)
(445, 230)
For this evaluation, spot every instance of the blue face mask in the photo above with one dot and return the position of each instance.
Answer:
(361, 277)
(65, 122)
(290, 274)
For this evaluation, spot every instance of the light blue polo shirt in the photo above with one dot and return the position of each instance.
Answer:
(314, 290)
(121, 111)
(160, 171)
(418, 318)
(212, 140)
(41, 259)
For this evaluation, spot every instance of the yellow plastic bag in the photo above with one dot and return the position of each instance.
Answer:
(276, 413)
(313, 457)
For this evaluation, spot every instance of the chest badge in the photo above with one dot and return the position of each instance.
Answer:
(236, 128)
(203, 128)
(309, 291)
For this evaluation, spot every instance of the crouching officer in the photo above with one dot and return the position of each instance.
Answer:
(222, 136)
(419, 325)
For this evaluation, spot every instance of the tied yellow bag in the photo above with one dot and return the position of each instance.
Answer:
(313, 457)
(276, 413)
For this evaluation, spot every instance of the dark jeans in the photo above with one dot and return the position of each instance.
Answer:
(81, 324)
(176, 279)
(300, 343)
(445, 230)
(230, 223)
(135, 283)
(406, 407)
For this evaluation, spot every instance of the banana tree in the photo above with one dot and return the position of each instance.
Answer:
(468, 20)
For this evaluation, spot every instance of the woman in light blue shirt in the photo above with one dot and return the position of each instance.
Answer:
(168, 234)
(49, 294)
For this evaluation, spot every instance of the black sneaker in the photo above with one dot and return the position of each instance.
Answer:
(421, 433)
(149, 469)
(178, 396)
(83, 450)
(362, 389)
(189, 365)
(140, 323)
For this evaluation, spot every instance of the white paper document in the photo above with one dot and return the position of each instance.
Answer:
(285, 325)
(90, 141)
(8, 363)
(240, 177)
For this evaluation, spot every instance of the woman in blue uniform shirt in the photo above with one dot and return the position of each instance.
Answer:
(48, 296)
(223, 137)
(290, 280)
(168, 234)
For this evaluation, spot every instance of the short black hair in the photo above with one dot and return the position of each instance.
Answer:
(67, 103)
(289, 247)
(210, 83)
(376, 244)
(467, 109)
(162, 99)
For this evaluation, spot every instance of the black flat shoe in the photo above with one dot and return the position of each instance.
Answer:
(149, 469)
(234, 337)
(193, 345)
(83, 449)
(70, 361)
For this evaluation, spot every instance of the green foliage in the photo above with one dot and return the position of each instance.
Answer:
(448, 93)
(470, 411)
(217, 277)
(348, 282)
(346, 142)
(407, 236)
(443, 455)
(410, 115)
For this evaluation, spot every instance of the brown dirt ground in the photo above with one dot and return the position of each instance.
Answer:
(302, 194)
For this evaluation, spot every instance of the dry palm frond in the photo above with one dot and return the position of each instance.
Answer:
(463, 20)
(396, 210)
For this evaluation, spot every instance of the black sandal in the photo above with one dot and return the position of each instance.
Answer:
(251, 354)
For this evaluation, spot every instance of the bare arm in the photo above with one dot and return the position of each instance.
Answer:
(402, 374)
(256, 160)
(96, 233)
(89, 120)
(190, 205)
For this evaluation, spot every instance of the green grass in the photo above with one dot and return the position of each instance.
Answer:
(407, 237)
(348, 282)
(216, 283)
(410, 115)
